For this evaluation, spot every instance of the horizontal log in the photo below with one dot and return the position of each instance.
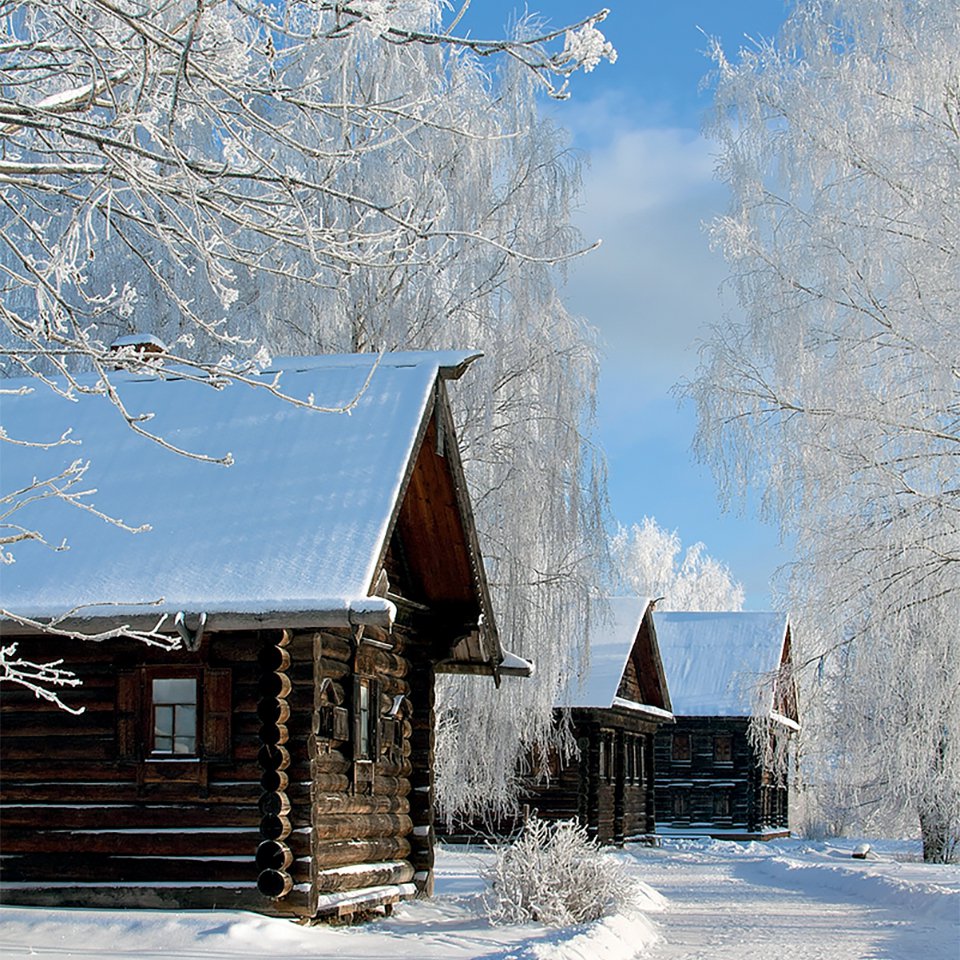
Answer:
(340, 853)
(223, 896)
(379, 874)
(336, 648)
(274, 883)
(115, 816)
(57, 748)
(392, 786)
(66, 793)
(274, 855)
(326, 803)
(331, 758)
(363, 826)
(337, 670)
(156, 843)
(104, 868)
(381, 663)
(332, 782)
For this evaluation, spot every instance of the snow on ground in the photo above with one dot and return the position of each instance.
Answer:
(791, 900)
(803, 901)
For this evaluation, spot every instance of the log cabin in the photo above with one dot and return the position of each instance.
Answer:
(614, 702)
(723, 669)
(280, 757)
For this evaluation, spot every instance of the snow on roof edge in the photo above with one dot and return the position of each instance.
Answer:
(320, 612)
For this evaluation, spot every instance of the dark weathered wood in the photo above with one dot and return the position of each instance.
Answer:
(756, 801)
(157, 843)
(135, 815)
(334, 803)
(338, 853)
(117, 869)
(333, 880)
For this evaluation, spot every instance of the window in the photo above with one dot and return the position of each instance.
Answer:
(723, 749)
(681, 747)
(363, 744)
(681, 805)
(635, 759)
(174, 715)
(168, 718)
(366, 699)
(602, 763)
(721, 804)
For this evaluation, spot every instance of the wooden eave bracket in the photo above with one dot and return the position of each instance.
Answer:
(191, 638)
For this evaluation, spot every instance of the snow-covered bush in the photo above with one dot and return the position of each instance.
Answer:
(553, 873)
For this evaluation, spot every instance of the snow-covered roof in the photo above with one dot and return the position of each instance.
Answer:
(713, 660)
(297, 523)
(614, 624)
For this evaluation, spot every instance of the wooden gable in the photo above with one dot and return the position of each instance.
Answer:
(785, 690)
(432, 563)
(643, 678)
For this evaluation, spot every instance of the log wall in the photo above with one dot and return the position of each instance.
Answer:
(613, 799)
(280, 818)
(85, 822)
(706, 794)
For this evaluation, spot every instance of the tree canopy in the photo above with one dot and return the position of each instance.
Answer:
(242, 179)
(837, 393)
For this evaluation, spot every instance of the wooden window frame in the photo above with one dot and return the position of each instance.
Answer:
(680, 804)
(365, 732)
(177, 720)
(135, 716)
(723, 749)
(681, 755)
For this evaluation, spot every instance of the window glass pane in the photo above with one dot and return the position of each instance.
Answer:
(163, 729)
(171, 690)
(185, 729)
(174, 715)
(364, 719)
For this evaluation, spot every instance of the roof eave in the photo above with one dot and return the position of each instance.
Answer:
(370, 611)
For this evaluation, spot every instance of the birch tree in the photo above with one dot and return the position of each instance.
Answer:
(322, 177)
(837, 395)
(651, 563)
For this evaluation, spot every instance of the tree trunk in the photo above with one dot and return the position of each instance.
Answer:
(939, 841)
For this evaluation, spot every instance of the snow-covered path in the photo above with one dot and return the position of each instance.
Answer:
(741, 904)
(725, 901)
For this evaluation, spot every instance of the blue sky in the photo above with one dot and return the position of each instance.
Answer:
(654, 287)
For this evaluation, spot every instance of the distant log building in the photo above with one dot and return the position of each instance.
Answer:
(614, 701)
(722, 668)
(281, 759)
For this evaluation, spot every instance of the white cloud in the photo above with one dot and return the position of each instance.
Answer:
(653, 287)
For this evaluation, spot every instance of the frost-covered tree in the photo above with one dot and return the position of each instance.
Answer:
(651, 562)
(837, 395)
(305, 177)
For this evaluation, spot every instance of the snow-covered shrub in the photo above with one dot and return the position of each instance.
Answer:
(553, 873)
